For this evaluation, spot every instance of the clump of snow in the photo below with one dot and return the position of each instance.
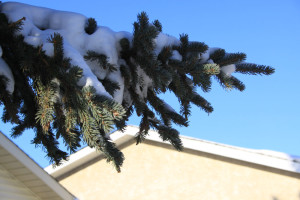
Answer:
(99, 71)
(117, 77)
(210, 61)
(33, 40)
(176, 55)
(103, 41)
(163, 40)
(89, 78)
(228, 69)
(43, 18)
(204, 57)
(5, 71)
(144, 83)
(278, 154)
(48, 48)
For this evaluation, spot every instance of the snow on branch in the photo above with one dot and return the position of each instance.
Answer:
(40, 23)
(99, 77)
(6, 71)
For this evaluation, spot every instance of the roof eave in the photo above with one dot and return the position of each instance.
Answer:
(243, 154)
(34, 168)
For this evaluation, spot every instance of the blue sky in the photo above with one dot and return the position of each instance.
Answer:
(267, 114)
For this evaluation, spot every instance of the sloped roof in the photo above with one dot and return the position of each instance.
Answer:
(14, 161)
(267, 158)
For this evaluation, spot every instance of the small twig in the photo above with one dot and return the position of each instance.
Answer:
(16, 22)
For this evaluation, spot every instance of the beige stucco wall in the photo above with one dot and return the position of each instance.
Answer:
(154, 171)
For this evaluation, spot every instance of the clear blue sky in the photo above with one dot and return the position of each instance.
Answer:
(267, 114)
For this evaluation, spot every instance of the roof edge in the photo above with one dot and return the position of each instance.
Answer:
(271, 159)
(23, 158)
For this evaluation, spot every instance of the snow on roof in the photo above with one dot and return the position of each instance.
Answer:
(11, 154)
(267, 158)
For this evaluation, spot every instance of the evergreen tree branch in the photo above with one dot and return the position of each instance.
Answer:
(254, 69)
(48, 98)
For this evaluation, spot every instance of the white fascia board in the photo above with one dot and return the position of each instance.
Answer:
(34, 168)
(261, 157)
(278, 160)
(243, 154)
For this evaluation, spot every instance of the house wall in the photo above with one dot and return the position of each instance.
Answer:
(155, 171)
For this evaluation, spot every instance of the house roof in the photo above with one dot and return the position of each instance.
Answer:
(14, 161)
(267, 158)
